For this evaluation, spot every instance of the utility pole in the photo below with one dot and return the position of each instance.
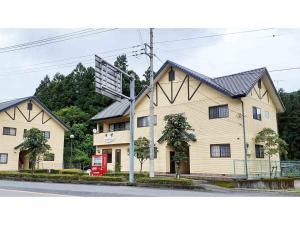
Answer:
(131, 153)
(151, 110)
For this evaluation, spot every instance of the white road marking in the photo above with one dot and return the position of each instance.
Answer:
(39, 193)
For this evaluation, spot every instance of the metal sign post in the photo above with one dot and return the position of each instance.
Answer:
(108, 79)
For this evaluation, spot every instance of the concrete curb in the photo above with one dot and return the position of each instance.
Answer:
(106, 183)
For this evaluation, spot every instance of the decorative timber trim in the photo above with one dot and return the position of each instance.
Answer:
(12, 117)
(188, 85)
(28, 119)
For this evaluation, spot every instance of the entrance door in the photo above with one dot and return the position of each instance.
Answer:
(118, 160)
(172, 163)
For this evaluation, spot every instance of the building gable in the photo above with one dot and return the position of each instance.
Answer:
(29, 110)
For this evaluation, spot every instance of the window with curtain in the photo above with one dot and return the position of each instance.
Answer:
(220, 151)
(9, 131)
(144, 121)
(220, 111)
(256, 113)
(3, 158)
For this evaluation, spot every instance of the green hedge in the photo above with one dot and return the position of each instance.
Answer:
(39, 176)
(56, 171)
(166, 181)
(57, 177)
(36, 171)
(126, 175)
(71, 171)
(103, 178)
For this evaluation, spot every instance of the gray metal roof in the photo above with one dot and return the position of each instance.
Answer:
(9, 104)
(116, 109)
(198, 76)
(235, 85)
(241, 83)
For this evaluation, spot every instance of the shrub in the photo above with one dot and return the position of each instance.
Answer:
(36, 171)
(71, 171)
(60, 177)
(103, 178)
(166, 181)
(54, 171)
(126, 174)
(39, 176)
(9, 174)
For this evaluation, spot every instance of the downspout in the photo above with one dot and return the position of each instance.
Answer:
(245, 143)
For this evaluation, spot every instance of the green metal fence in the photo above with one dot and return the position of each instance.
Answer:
(264, 169)
(290, 168)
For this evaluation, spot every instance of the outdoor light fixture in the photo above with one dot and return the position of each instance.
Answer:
(71, 156)
(94, 131)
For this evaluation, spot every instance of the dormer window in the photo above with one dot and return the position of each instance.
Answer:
(171, 74)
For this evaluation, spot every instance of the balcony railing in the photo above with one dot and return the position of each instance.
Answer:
(112, 137)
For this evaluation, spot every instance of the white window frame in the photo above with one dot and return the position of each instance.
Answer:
(6, 157)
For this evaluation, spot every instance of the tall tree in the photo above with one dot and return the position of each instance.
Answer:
(75, 89)
(176, 134)
(72, 115)
(122, 63)
(146, 75)
(272, 144)
(35, 144)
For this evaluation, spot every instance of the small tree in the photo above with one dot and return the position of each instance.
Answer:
(272, 144)
(177, 137)
(81, 157)
(142, 150)
(35, 145)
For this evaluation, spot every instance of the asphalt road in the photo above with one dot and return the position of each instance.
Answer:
(36, 189)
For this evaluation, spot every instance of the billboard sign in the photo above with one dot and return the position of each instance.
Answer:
(108, 79)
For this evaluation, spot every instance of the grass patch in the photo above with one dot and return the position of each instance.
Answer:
(225, 184)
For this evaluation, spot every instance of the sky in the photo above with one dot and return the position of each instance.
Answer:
(21, 71)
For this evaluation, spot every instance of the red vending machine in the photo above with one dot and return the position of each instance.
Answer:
(99, 165)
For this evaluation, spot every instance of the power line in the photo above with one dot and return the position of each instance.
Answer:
(63, 65)
(14, 48)
(285, 69)
(73, 58)
(213, 35)
(48, 39)
(142, 43)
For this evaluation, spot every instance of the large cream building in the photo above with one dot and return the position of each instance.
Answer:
(22, 114)
(226, 113)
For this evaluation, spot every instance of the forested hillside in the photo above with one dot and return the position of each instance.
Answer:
(289, 123)
(73, 98)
